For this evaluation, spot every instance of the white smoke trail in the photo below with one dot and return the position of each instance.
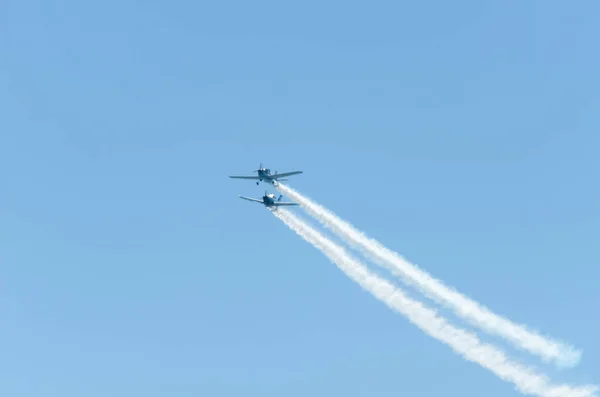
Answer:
(467, 344)
(478, 315)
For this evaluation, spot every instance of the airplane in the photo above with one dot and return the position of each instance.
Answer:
(264, 175)
(269, 200)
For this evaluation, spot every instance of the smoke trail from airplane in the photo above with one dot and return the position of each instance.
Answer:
(478, 315)
(467, 344)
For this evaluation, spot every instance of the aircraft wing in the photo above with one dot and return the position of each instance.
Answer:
(251, 199)
(243, 177)
(284, 174)
(279, 203)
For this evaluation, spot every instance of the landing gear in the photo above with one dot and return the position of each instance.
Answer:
(257, 183)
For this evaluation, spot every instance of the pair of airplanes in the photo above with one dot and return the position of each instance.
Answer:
(264, 175)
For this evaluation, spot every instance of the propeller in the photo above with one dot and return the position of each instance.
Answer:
(259, 168)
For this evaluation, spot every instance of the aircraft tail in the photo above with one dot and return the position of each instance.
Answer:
(280, 196)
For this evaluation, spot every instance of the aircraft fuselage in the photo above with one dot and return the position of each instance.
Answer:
(264, 175)
(268, 201)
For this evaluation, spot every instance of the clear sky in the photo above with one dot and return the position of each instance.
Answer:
(464, 135)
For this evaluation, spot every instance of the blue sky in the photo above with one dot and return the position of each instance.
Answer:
(464, 135)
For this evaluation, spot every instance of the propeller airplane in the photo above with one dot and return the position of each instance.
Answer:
(269, 200)
(264, 175)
